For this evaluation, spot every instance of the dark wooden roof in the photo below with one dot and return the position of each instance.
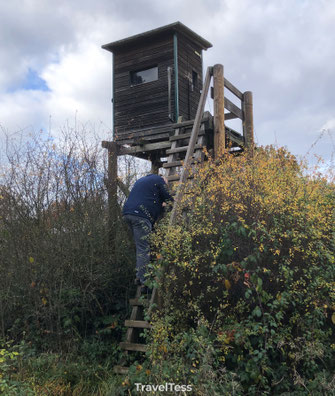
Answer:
(173, 27)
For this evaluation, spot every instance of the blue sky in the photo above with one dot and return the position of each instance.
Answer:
(53, 70)
(31, 82)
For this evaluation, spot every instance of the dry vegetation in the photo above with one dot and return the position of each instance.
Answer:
(247, 276)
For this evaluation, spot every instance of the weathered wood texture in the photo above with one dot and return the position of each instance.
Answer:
(136, 313)
(150, 104)
(112, 194)
(138, 302)
(129, 346)
(157, 133)
(192, 143)
(248, 121)
(189, 62)
(233, 89)
(141, 324)
(219, 102)
(146, 104)
(229, 105)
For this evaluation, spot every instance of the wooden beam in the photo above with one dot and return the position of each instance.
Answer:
(233, 108)
(183, 136)
(206, 116)
(233, 89)
(129, 346)
(144, 148)
(105, 144)
(141, 324)
(177, 163)
(219, 101)
(138, 133)
(181, 149)
(138, 302)
(235, 137)
(156, 163)
(229, 116)
(173, 178)
(112, 195)
(123, 187)
(248, 120)
(146, 135)
(145, 140)
(130, 335)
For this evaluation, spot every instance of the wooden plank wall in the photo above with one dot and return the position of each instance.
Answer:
(188, 61)
(145, 104)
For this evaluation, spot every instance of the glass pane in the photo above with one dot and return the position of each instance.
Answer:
(143, 76)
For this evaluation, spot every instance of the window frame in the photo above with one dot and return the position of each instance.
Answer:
(133, 72)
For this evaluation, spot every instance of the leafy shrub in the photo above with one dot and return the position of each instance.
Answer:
(247, 278)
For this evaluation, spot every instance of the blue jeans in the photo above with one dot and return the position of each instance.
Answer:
(141, 229)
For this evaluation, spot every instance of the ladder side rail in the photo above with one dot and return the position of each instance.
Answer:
(192, 143)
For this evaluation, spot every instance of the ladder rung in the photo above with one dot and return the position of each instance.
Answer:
(173, 178)
(177, 177)
(172, 164)
(183, 148)
(120, 370)
(139, 302)
(142, 324)
(129, 346)
(184, 136)
(177, 163)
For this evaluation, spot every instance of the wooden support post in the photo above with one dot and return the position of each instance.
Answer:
(219, 128)
(248, 120)
(155, 164)
(112, 195)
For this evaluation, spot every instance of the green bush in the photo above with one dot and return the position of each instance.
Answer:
(247, 278)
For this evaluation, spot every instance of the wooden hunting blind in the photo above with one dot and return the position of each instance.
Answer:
(159, 97)
(157, 77)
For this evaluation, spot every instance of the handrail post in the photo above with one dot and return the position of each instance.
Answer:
(219, 128)
(248, 120)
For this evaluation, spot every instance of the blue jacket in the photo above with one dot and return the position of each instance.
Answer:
(146, 198)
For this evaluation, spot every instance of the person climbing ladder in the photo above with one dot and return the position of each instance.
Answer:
(143, 207)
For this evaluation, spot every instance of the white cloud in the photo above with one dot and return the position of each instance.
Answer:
(330, 124)
(281, 50)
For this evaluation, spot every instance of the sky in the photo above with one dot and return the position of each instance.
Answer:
(53, 70)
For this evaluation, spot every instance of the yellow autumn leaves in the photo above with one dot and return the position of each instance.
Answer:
(281, 210)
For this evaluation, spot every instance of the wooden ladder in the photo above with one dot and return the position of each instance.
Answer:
(181, 156)
(177, 152)
(193, 149)
(135, 324)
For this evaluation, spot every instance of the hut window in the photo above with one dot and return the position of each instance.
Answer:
(144, 76)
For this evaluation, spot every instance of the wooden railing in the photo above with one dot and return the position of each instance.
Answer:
(221, 102)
